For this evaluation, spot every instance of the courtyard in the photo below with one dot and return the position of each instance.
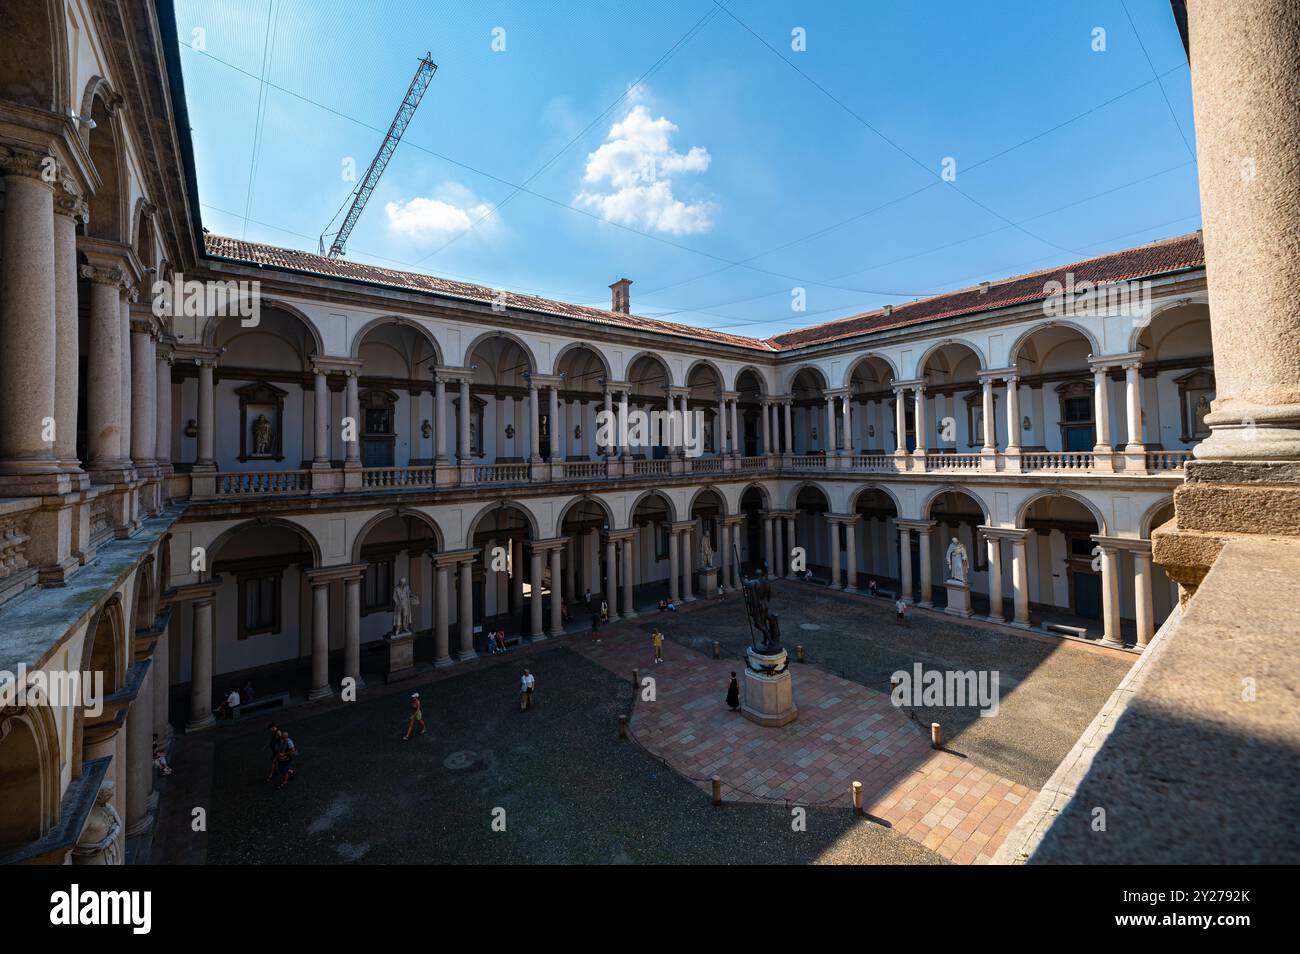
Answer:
(570, 791)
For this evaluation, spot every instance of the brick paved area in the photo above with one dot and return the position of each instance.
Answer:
(845, 733)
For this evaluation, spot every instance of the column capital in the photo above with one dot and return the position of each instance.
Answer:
(551, 543)
(203, 357)
(204, 591)
(917, 524)
(682, 526)
(69, 201)
(450, 375)
(731, 395)
(329, 364)
(448, 557)
(1104, 362)
(103, 275)
(993, 375)
(848, 519)
(1002, 533)
(321, 576)
(736, 520)
(621, 536)
(1131, 544)
(543, 380)
(29, 164)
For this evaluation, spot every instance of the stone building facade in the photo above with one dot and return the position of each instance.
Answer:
(189, 500)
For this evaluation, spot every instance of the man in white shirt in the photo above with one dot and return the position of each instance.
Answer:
(901, 607)
(526, 682)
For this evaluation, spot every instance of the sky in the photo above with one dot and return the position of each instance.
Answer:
(753, 167)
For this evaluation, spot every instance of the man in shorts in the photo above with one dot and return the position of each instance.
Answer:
(417, 717)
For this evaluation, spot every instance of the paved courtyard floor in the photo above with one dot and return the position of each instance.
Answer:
(570, 791)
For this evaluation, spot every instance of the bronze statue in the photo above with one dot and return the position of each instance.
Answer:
(765, 627)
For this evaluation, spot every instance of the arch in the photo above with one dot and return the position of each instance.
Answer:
(106, 647)
(581, 499)
(653, 357)
(226, 535)
(763, 492)
(758, 377)
(804, 485)
(1198, 298)
(106, 144)
(862, 358)
(210, 328)
(503, 504)
(812, 369)
(383, 515)
(29, 784)
(955, 489)
(143, 615)
(582, 346)
(1058, 492)
(355, 349)
(883, 488)
(704, 489)
(1148, 523)
(711, 366)
(499, 333)
(1094, 346)
(645, 495)
(36, 69)
(142, 237)
(943, 343)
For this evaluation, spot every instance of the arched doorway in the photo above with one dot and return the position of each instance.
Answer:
(953, 400)
(956, 515)
(395, 547)
(499, 404)
(510, 589)
(752, 395)
(754, 503)
(649, 381)
(396, 395)
(808, 419)
(585, 378)
(877, 536)
(871, 390)
(1066, 571)
(812, 533)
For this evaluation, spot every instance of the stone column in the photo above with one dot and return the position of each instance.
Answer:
(352, 631)
(688, 566)
(1020, 579)
(321, 404)
(780, 555)
(851, 550)
(162, 682)
(1101, 408)
(833, 533)
(610, 593)
(767, 429)
(163, 400)
(70, 211)
(464, 450)
(831, 444)
(535, 594)
(440, 418)
(465, 611)
(994, 548)
(724, 540)
(1244, 74)
(927, 573)
(622, 428)
(320, 640)
(1133, 412)
(206, 459)
(922, 420)
(848, 424)
(557, 435)
(103, 383)
(673, 566)
(144, 429)
(557, 621)
(629, 606)
(1110, 606)
(990, 421)
(1142, 606)
(607, 449)
(735, 427)
(788, 443)
(900, 421)
(769, 549)
(1013, 415)
(201, 664)
(124, 369)
(28, 329)
(140, 798)
(790, 542)
(353, 458)
(442, 616)
(905, 562)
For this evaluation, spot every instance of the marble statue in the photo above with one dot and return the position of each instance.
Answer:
(403, 601)
(957, 562)
(99, 843)
(261, 435)
(706, 552)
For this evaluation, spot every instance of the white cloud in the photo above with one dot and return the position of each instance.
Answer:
(452, 208)
(638, 162)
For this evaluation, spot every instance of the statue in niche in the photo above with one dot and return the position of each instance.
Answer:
(706, 552)
(426, 429)
(403, 602)
(262, 436)
(98, 844)
(957, 562)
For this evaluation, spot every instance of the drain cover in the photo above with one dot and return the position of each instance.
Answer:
(460, 760)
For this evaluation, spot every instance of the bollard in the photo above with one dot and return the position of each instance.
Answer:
(717, 790)
(717, 649)
(622, 727)
(936, 736)
(636, 678)
(857, 799)
(798, 653)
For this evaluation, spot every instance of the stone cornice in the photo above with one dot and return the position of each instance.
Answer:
(329, 574)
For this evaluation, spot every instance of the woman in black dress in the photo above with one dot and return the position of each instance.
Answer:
(733, 694)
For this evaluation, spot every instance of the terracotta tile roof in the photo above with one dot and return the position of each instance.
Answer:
(271, 256)
(1167, 255)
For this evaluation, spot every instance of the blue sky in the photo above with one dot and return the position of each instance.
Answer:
(736, 170)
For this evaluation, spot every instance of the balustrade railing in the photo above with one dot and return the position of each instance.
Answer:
(500, 473)
(808, 462)
(377, 478)
(263, 482)
(1167, 460)
(1057, 460)
(584, 469)
(705, 465)
(646, 467)
(952, 461)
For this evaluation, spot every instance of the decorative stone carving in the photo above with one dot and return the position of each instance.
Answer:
(99, 843)
(261, 436)
(403, 602)
(706, 552)
(13, 544)
(957, 562)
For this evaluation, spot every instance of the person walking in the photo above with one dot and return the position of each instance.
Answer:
(595, 627)
(285, 753)
(901, 608)
(733, 694)
(417, 716)
(658, 639)
(526, 685)
(273, 746)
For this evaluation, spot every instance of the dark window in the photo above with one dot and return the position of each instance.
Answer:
(377, 588)
(259, 599)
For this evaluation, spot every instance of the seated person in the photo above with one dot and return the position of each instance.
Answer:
(564, 612)
(501, 640)
(160, 757)
(227, 709)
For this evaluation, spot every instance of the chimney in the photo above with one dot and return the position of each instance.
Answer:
(621, 297)
(888, 310)
(984, 288)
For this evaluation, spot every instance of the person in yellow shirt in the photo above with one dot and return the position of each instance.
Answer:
(658, 639)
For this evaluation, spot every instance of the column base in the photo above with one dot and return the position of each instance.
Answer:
(1019, 625)
(320, 692)
(1111, 643)
(442, 662)
(467, 655)
(197, 725)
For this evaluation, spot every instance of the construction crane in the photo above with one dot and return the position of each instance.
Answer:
(361, 195)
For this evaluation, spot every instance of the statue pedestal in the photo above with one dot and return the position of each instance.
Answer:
(707, 581)
(958, 599)
(767, 696)
(401, 656)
